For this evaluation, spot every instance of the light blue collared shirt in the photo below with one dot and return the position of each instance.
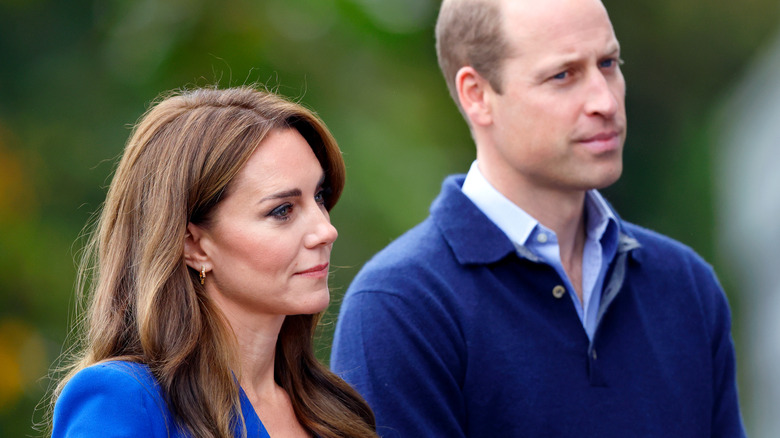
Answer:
(525, 231)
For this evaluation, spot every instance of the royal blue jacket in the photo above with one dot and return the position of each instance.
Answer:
(123, 399)
(452, 331)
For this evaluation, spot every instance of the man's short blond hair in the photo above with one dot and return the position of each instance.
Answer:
(469, 33)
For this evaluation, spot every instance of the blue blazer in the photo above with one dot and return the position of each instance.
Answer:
(123, 399)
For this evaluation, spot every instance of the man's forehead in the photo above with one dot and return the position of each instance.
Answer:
(529, 24)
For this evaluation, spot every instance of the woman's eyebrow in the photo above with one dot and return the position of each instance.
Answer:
(282, 195)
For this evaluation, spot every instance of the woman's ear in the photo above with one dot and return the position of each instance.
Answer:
(194, 254)
(474, 93)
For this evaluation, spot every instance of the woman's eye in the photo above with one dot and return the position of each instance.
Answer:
(320, 197)
(281, 212)
(323, 195)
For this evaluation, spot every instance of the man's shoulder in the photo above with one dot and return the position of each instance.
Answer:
(660, 245)
(435, 253)
(418, 242)
(419, 249)
(455, 233)
(666, 260)
(425, 242)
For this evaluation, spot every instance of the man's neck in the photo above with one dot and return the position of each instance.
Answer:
(558, 210)
(562, 211)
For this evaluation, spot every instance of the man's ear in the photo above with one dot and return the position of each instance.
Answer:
(194, 254)
(474, 93)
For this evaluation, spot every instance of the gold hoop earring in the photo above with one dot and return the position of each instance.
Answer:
(202, 274)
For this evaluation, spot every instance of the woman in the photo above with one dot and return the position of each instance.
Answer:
(208, 271)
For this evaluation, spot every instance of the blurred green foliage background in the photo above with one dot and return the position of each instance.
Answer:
(75, 75)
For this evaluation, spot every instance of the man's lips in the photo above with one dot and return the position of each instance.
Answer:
(602, 142)
(601, 136)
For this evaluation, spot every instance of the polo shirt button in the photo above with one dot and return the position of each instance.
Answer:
(558, 291)
(541, 238)
(594, 355)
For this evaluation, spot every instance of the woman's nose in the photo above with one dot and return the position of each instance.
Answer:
(322, 232)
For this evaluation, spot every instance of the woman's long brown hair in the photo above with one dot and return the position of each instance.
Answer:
(145, 305)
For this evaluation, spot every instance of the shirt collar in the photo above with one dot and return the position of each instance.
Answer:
(598, 215)
(511, 219)
(518, 225)
(474, 239)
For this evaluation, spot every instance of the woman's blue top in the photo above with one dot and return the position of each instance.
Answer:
(123, 399)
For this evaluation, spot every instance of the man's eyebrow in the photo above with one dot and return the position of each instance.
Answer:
(569, 60)
(613, 48)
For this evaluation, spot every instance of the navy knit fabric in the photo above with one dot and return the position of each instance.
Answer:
(449, 332)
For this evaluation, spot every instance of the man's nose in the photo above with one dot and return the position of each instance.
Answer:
(603, 95)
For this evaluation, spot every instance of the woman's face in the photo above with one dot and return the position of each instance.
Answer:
(268, 245)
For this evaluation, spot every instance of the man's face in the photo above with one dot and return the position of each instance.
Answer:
(560, 122)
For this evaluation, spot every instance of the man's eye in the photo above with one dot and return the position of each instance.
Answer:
(609, 63)
(561, 75)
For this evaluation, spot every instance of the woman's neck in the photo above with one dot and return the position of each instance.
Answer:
(257, 358)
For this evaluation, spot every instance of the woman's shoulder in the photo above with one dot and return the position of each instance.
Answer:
(116, 376)
(113, 397)
(114, 371)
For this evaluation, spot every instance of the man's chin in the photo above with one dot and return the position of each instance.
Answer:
(608, 178)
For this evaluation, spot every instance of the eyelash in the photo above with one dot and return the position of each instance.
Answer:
(283, 212)
(612, 63)
(320, 197)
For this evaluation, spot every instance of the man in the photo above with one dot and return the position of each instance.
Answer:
(524, 306)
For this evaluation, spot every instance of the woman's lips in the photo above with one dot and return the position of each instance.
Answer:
(316, 271)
